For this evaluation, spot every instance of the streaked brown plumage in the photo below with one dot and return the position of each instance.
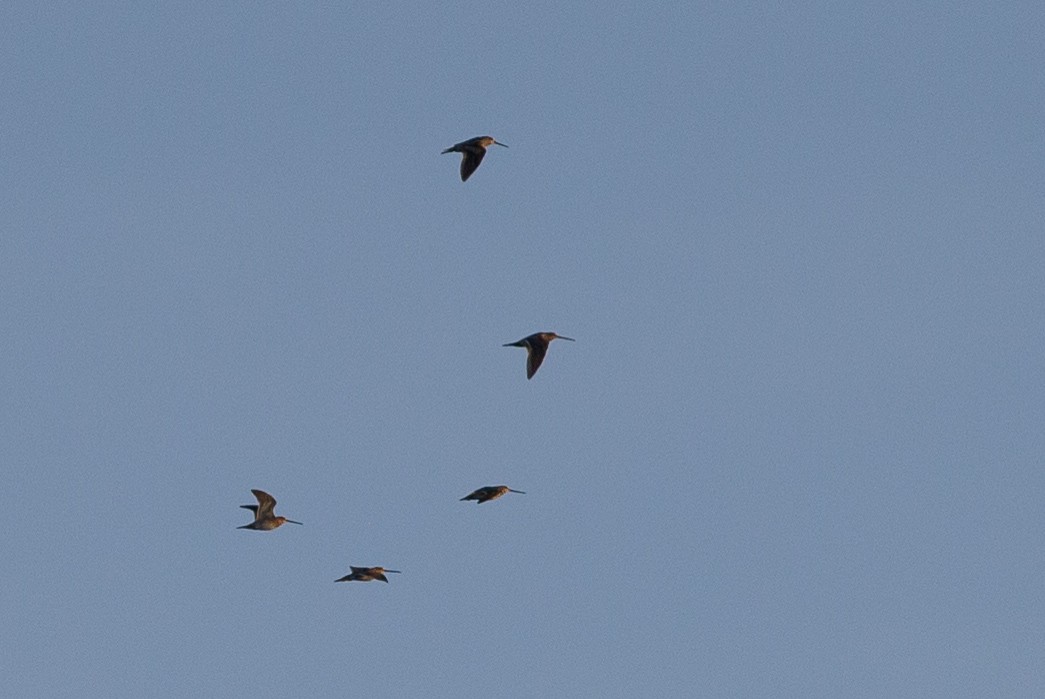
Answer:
(490, 492)
(367, 574)
(536, 347)
(265, 518)
(472, 152)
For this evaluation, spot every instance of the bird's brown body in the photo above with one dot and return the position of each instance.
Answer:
(536, 347)
(265, 518)
(472, 153)
(490, 492)
(367, 574)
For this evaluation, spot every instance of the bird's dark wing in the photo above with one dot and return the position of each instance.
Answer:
(535, 352)
(470, 161)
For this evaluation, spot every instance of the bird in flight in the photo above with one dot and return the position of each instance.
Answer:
(536, 347)
(490, 492)
(367, 574)
(472, 152)
(264, 517)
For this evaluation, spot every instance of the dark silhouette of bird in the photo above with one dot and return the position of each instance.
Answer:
(472, 153)
(489, 492)
(536, 347)
(367, 574)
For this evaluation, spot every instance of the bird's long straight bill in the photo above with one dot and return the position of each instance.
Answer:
(290, 521)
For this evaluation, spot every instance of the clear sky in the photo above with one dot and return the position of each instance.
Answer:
(796, 450)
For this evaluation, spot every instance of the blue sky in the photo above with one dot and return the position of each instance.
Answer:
(796, 449)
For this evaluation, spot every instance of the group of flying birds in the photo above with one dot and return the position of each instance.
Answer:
(265, 518)
(472, 153)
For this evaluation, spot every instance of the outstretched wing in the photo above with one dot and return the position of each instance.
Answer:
(535, 352)
(470, 159)
(266, 504)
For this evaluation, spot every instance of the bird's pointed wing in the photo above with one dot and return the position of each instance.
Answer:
(470, 160)
(266, 504)
(252, 508)
(535, 352)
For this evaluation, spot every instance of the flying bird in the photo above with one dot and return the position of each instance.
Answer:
(490, 492)
(536, 347)
(367, 574)
(472, 152)
(264, 517)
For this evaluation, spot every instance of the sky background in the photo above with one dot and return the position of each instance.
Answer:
(796, 449)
